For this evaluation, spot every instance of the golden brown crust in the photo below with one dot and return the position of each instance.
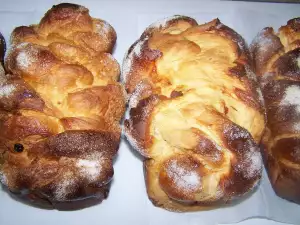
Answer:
(277, 61)
(192, 102)
(60, 110)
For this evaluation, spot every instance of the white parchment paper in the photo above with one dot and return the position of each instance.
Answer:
(128, 202)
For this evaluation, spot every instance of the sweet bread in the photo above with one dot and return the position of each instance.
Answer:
(196, 113)
(61, 105)
(277, 61)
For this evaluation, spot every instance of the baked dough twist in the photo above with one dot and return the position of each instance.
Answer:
(277, 61)
(196, 113)
(60, 108)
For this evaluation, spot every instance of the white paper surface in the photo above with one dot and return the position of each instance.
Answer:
(128, 202)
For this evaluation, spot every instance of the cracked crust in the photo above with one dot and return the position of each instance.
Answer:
(277, 62)
(60, 109)
(196, 113)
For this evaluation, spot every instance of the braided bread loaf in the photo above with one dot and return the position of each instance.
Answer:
(277, 61)
(195, 113)
(60, 110)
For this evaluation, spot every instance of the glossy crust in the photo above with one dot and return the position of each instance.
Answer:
(277, 61)
(60, 108)
(195, 113)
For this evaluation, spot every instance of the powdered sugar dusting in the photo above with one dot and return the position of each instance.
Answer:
(298, 108)
(13, 49)
(3, 178)
(82, 9)
(266, 78)
(291, 96)
(26, 56)
(255, 163)
(133, 142)
(137, 94)
(89, 169)
(23, 60)
(250, 162)
(163, 23)
(3, 77)
(2, 72)
(237, 135)
(64, 187)
(135, 97)
(187, 180)
(129, 58)
(241, 44)
(219, 193)
(103, 28)
(7, 90)
(250, 74)
(262, 41)
(160, 23)
(296, 126)
(260, 95)
(219, 25)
